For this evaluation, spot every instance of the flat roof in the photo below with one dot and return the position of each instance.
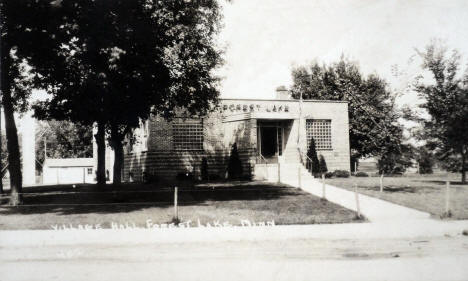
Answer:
(286, 100)
(69, 162)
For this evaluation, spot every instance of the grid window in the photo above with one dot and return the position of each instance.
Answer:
(320, 130)
(187, 134)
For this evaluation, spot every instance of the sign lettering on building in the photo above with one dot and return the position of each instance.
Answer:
(255, 107)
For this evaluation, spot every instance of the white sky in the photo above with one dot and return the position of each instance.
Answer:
(265, 38)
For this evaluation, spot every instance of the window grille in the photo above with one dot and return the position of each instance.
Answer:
(320, 130)
(187, 134)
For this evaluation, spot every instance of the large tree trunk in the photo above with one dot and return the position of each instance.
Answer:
(116, 141)
(14, 162)
(101, 154)
(118, 162)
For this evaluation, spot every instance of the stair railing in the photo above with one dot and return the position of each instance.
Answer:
(306, 161)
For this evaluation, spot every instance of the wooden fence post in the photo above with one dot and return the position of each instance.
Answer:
(323, 186)
(381, 182)
(299, 176)
(279, 172)
(447, 199)
(176, 211)
(358, 209)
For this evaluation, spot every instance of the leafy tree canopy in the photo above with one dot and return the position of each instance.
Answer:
(373, 119)
(63, 139)
(446, 96)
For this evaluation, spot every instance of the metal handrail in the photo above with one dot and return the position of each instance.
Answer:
(304, 163)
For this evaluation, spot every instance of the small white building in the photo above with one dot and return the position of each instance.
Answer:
(68, 170)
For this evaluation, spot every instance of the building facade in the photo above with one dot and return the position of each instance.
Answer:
(267, 133)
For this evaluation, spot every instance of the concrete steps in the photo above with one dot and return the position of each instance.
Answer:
(288, 172)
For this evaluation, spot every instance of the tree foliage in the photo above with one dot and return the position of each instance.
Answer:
(16, 74)
(373, 118)
(234, 168)
(446, 96)
(62, 139)
(114, 63)
(312, 159)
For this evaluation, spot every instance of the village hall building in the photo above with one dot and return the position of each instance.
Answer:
(267, 133)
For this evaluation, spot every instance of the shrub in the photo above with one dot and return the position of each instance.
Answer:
(204, 169)
(323, 165)
(312, 154)
(328, 175)
(184, 176)
(149, 178)
(341, 174)
(361, 174)
(235, 164)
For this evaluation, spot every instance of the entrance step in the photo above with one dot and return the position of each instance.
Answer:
(288, 172)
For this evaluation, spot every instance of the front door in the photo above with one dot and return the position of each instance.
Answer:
(270, 140)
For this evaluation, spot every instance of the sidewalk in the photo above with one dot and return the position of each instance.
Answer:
(374, 209)
(398, 229)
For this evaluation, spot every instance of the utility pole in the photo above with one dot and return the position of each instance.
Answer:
(1, 93)
(1, 155)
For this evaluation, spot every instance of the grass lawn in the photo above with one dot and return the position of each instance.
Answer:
(425, 192)
(136, 203)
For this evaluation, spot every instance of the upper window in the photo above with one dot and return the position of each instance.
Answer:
(187, 134)
(320, 130)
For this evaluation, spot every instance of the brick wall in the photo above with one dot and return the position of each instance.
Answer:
(237, 122)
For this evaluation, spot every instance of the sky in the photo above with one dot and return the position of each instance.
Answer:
(265, 39)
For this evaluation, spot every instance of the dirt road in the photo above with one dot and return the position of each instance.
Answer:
(437, 258)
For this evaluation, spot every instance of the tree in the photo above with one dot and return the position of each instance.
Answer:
(395, 161)
(425, 160)
(323, 165)
(312, 160)
(61, 139)
(234, 164)
(145, 57)
(446, 101)
(16, 81)
(373, 119)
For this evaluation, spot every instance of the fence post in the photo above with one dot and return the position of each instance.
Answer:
(279, 172)
(358, 209)
(323, 186)
(299, 176)
(447, 199)
(176, 211)
(381, 182)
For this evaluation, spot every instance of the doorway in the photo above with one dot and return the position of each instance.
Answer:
(270, 140)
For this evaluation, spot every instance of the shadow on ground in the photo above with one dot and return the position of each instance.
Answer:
(85, 199)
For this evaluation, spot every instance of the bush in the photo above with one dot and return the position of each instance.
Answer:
(149, 178)
(312, 154)
(328, 175)
(341, 174)
(323, 165)
(184, 176)
(361, 174)
(235, 164)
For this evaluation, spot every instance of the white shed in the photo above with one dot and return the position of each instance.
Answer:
(68, 170)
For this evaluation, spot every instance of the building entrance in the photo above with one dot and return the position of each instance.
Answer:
(270, 140)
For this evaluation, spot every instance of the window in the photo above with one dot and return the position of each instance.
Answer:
(320, 130)
(187, 134)
(90, 171)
